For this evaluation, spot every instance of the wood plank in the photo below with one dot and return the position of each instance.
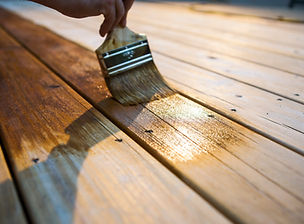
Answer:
(280, 120)
(11, 211)
(73, 164)
(246, 176)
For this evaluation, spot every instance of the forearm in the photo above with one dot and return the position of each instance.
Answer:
(74, 8)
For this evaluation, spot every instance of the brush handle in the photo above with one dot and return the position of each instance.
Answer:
(119, 37)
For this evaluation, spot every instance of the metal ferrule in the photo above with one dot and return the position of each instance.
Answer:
(125, 58)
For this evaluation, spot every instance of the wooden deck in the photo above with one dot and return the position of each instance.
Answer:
(228, 148)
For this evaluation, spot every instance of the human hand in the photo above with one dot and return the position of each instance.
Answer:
(114, 11)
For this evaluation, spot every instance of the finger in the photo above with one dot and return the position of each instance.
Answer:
(120, 11)
(128, 4)
(109, 21)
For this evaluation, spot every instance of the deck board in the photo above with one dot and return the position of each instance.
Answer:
(249, 168)
(72, 164)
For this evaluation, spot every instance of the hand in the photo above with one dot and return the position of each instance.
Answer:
(114, 11)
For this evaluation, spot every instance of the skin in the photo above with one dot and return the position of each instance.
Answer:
(114, 11)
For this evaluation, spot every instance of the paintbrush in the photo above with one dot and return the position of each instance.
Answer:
(128, 68)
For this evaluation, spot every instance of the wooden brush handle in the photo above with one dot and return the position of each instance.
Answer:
(119, 37)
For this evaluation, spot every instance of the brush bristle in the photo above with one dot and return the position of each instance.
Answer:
(139, 85)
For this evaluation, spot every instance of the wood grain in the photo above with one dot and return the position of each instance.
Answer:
(248, 177)
(11, 211)
(73, 164)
